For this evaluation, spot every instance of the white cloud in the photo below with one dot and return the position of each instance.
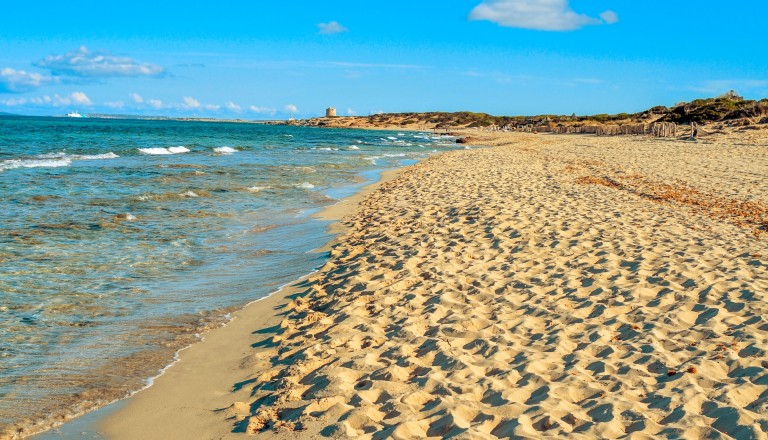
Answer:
(155, 103)
(35, 100)
(114, 104)
(290, 108)
(190, 102)
(545, 15)
(41, 100)
(136, 98)
(20, 81)
(610, 17)
(331, 28)
(76, 98)
(351, 112)
(262, 110)
(84, 63)
(13, 102)
(73, 99)
(231, 106)
(80, 98)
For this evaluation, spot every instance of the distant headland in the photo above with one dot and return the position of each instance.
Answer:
(728, 110)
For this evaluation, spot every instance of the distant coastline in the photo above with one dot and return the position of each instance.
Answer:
(151, 118)
(170, 118)
(728, 110)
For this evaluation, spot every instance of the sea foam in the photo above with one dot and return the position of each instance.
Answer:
(63, 155)
(59, 155)
(158, 151)
(109, 155)
(34, 163)
(51, 160)
(224, 150)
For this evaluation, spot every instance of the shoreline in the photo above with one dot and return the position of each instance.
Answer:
(101, 416)
(189, 381)
(461, 286)
(144, 367)
(559, 285)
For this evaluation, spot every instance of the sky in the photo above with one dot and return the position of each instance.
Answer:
(269, 60)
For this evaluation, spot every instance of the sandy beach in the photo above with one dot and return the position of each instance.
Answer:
(551, 285)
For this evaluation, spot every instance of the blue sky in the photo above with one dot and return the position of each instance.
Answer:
(265, 60)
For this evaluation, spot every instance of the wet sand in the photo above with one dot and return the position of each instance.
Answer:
(550, 286)
(191, 398)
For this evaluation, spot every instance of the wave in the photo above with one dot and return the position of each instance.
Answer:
(109, 155)
(63, 155)
(52, 160)
(224, 150)
(305, 185)
(373, 159)
(34, 163)
(159, 151)
(60, 155)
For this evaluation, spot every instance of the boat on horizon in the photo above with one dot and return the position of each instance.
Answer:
(74, 114)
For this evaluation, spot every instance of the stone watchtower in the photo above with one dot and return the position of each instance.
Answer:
(330, 112)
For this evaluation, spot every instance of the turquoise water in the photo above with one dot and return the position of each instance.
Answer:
(121, 239)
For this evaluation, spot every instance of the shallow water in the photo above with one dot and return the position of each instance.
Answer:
(121, 239)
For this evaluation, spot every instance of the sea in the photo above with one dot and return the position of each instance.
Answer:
(122, 240)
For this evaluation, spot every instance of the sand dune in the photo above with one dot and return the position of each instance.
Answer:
(490, 293)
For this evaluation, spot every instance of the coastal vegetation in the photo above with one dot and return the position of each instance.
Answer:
(729, 109)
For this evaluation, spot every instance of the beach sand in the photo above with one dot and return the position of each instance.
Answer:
(549, 286)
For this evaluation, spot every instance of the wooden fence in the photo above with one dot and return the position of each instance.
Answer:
(657, 129)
